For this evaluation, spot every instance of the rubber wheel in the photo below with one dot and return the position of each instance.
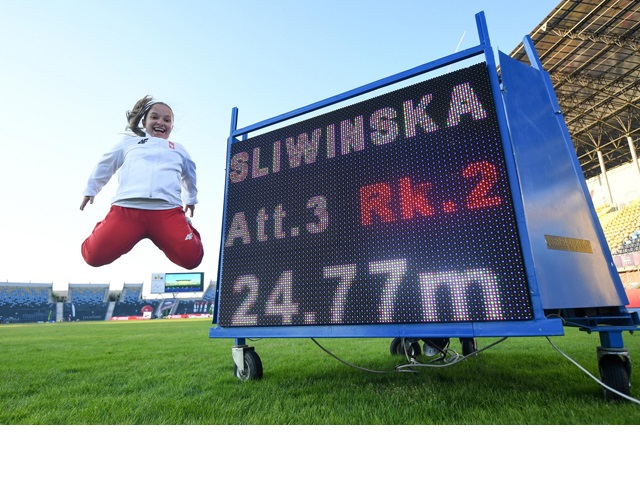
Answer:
(396, 347)
(414, 349)
(614, 373)
(252, 367)
(469, 346)
(434, 346)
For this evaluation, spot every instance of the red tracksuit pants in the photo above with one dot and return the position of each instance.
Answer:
(123, 227)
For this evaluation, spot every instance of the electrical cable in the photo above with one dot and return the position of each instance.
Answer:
(631, 399)
(347, 363)
(602, 384)
(457, 358)
(412, 362)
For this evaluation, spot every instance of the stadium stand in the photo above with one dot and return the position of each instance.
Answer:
(197, 306)
(131, 303)
(32, 302)
(87, 302)
(26, 302)
(210, 292)
(622, 229)
(630, 244)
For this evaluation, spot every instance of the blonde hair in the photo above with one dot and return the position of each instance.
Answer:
(138, 114)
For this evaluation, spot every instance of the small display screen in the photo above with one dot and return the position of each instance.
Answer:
(397, 209)
(183, 282)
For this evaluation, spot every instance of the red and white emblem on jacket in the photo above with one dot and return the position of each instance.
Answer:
(172, 146)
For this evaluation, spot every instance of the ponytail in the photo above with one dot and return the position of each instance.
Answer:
(137, 115)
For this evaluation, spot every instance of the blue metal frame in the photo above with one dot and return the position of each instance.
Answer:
(385, 82)
(601, 301)
(512, 172)
(537, 64)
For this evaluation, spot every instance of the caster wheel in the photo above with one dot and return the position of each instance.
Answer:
(414, 349)
(469, 346)
(397, 347)
(252, 367)
(434, 346)
(614, 372)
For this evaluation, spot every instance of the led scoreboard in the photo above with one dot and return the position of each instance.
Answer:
(396, 209)
(455, 207)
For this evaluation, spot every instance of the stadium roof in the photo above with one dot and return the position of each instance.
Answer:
(591, 49)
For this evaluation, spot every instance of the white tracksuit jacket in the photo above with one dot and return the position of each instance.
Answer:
(149, 168)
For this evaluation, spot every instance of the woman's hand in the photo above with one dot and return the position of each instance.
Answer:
(86, 200)
(188, 208)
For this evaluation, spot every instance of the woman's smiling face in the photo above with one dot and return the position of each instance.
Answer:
(159, 121)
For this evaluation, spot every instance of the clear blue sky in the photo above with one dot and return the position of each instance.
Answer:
(71, 69)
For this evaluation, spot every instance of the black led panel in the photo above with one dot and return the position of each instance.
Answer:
(396, 209)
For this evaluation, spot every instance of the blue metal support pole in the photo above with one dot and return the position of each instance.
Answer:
(230, 141)
(483, 34)
(611, 339)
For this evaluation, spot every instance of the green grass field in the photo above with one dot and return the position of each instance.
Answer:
(172, 373)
